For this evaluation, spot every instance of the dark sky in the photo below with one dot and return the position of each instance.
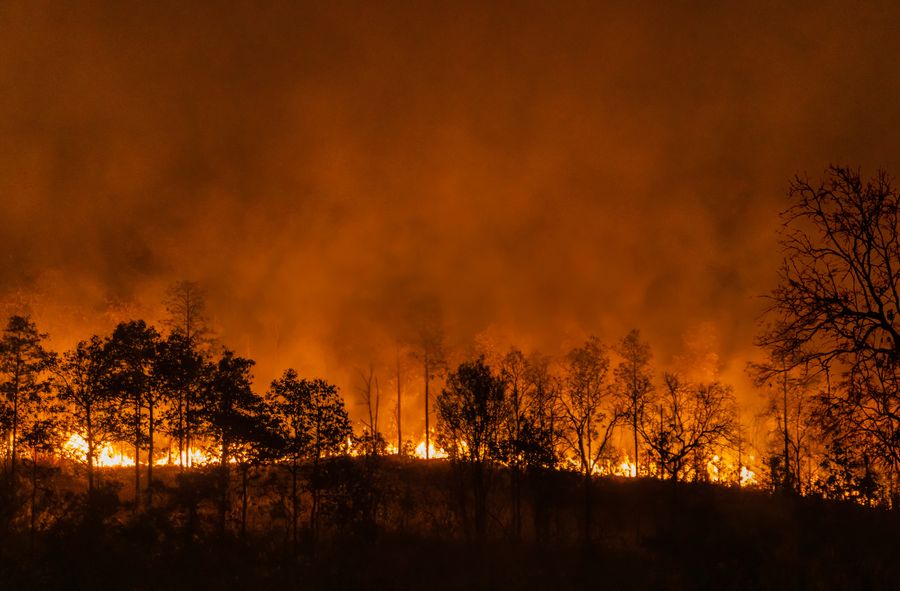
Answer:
(335, 171)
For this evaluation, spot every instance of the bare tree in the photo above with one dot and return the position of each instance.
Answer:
(371, 395)
(634, 384)
(837, 302)
(590, 413)
(692, 420)
(433, 360)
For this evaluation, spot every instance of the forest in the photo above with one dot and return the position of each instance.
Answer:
(149, 454)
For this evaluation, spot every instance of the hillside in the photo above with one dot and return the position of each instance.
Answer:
(402, 524)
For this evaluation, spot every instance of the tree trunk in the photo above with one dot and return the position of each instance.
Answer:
(224, 484)
(15, 428)
(399, 410)
(588, 509)
(33, 494)
(150, 454)
(244, 498)
(427, 434)
(90, 454)
(294, 503)
(137, 453)
(181, 455)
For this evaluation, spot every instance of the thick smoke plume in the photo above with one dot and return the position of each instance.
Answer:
(339, 174)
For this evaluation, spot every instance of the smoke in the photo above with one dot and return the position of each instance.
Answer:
(339, 174)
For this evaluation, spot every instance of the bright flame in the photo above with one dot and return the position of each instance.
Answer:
(748, 476)
(433, 453)
(104, 454)
(627, 468)
(193, 457)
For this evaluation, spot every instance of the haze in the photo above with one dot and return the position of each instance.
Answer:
(333, 173)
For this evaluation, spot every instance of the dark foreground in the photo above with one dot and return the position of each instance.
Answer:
(388, 524)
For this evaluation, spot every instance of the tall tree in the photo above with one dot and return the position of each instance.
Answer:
(314, 424)
(235, 421)
(82, 384)
(471, 410)
(179, 369)
(433, 360)
(133, 348)
(371, 397)
(516, 432)
(23, 379)
(837, 303)
(589, 414)
(634, 384)
(187, 317)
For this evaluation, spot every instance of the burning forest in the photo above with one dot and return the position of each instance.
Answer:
(475, 295)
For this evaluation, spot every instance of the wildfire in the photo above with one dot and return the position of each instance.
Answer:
(105, 456)
(433, 453)
(192, 457)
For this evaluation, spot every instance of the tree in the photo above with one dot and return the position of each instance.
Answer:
(133, 348)
(371, 395)
(692, 420)
(589, 413)
(314, 424)
(837, 301)
(82, 384)
(23, 383)
(179, 368)
(791, 404)
(234, 420)
(471, 410)
(433, 359)
(634, 384)
(513, 370)
(186, 305)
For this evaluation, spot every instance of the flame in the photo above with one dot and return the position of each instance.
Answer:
(627, 468)
(104, 454)
(748, 476)
(192, 457)
(433, 453)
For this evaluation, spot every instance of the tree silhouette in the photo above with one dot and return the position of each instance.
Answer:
(83, 385)
(179, 369)
(471, 410)
(186, 306)
(133, 348)
(692, 420)
(837, 302)
(314, 424)
(233, 418)
(589, 414)
(634, 384)
(23, 380)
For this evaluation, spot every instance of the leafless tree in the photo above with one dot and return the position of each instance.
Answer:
(589, 411)
(691, 421)
(836, 305)
(634, 384)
